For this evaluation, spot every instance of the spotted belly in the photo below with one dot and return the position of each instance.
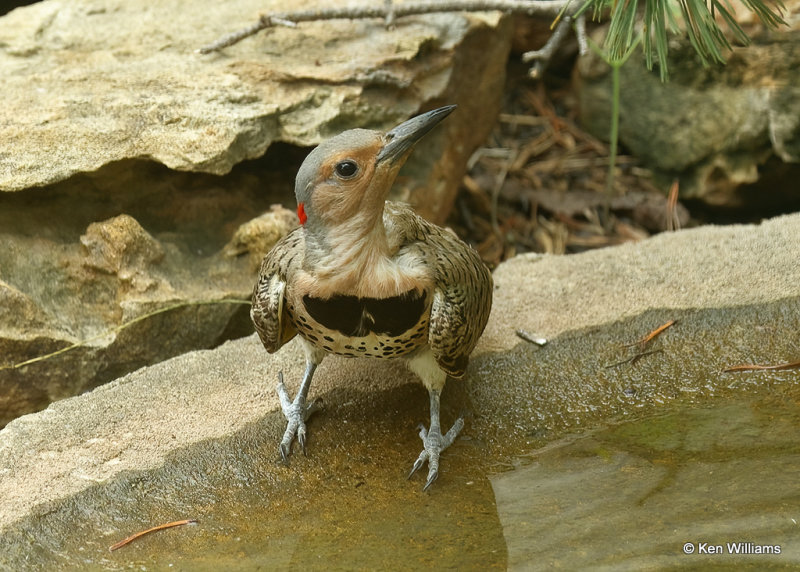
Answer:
(370, 327)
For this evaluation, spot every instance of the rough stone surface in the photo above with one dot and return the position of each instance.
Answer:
(59, 294)
(87, 83)
(714, 128)
(257, 237)
(734, 291)
(121, 247)
(100, 96)
(710, 267)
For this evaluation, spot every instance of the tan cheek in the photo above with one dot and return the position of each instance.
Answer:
(333, 203)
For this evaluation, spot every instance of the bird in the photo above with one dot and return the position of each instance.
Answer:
(362, 276)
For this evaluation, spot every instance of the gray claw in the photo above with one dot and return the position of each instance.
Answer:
(296, 413)
(418, 463)
(434, 443)
(431, 479)
(301, 438)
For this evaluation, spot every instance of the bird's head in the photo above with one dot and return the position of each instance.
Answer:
(349, 176)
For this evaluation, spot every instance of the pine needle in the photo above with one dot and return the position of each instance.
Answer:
(755, 367)
(633, 359)
(133, 537)
(652, 335)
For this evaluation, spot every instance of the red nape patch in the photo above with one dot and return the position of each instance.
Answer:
(301, 213)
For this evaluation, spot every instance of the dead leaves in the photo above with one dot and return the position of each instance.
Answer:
(539, 185)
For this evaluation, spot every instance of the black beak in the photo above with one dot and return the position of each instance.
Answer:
(402, 138)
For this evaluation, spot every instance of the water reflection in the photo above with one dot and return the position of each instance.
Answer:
(631, 496)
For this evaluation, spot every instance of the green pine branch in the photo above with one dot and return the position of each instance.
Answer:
(698, 20)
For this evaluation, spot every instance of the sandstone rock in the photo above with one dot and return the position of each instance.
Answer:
(257, 237)
(169, 300)
(714, 127)
(122, 247)
(85, 85)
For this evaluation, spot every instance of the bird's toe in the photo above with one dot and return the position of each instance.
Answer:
(433, 443)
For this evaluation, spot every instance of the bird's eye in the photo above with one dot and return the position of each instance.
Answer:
(346, 169)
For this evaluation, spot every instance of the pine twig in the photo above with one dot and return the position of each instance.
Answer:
(673, 220)
(497, 187)
(389, 12)
(542, 56)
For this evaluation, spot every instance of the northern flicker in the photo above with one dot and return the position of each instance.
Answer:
(366, 277)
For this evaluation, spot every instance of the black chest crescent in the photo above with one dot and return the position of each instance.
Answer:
(357, 317)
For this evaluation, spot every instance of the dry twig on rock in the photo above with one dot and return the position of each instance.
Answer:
(561, 10)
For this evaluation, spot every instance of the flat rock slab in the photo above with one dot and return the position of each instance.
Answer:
(86, 84)
(708, 267)
(196, 436)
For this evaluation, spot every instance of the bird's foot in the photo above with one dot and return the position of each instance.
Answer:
(296, 413)
(433, 443)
